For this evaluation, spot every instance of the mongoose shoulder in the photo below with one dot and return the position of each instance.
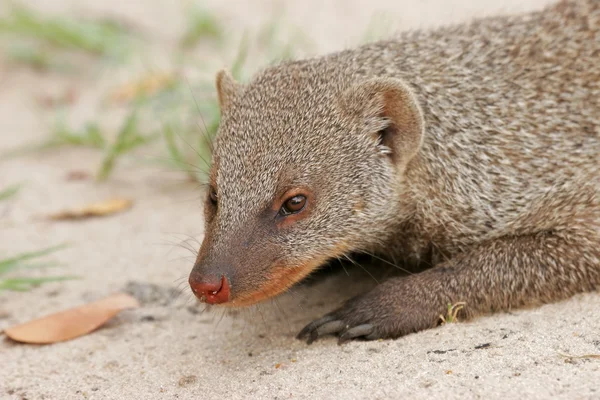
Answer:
(472, 149)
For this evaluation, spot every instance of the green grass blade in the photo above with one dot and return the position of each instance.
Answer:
(44, 265)
(16, 261)
(93, 136)
(138, 141)
(102, 38)
(128, 130)
(172, 148)
(24, 284)
(90, 136)
(201, 25)
(34, 56)
(242, 55)
(127, 140)
(10, 191)
(117, 148)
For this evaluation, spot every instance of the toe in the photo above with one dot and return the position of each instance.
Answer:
(326, 329)
(355, 332)
(308, 329)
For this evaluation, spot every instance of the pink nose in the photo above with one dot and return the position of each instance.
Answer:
(210, 289)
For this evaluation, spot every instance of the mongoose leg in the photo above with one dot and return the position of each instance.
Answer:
(504, 273)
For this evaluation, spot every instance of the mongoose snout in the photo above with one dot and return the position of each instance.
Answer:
(210, 289)
(243, 266)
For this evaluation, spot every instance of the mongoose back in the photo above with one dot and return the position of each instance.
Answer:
(472, 150)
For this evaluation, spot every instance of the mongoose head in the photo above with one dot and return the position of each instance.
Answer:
(308, 166)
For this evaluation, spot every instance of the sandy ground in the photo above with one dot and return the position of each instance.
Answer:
(169, 349)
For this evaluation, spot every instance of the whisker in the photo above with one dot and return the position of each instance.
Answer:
(179, 280)
(182, 245)
(367, 271)
(389, 263)
(343, 266)
(262, 317)
(280, 309)
(189, 237)
(195, 168)
(220, 319)
(205, 131)
(186, 258)
(194, 150)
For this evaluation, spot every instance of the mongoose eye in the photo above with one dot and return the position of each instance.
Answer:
(293, 205)
(212, 195)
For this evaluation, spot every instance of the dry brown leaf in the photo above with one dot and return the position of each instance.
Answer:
(72, 323)
(78, 175)
(100, 209)
(144, 87)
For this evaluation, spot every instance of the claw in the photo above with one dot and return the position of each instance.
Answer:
(331, 327)
(326, 329)
(314, 325)
(357, 331)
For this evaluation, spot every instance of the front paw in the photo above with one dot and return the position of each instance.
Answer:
(392, 309)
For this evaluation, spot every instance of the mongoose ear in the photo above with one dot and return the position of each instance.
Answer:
(388, 109)
(227, 87)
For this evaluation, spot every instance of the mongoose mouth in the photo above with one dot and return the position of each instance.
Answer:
(280, 280)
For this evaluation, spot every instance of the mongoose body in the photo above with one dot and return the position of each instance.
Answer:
(473, 150)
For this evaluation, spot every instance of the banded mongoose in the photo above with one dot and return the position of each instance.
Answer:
(472, 150)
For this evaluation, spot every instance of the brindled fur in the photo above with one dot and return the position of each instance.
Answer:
(498, 191)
